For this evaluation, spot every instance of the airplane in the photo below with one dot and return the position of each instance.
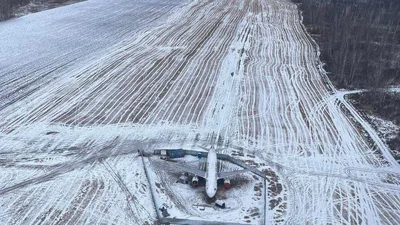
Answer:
(211, 174)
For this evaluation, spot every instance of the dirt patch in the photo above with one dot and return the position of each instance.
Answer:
(251, 163)
(159, 188)
(275, 188)
(258, 189)
(253, 213)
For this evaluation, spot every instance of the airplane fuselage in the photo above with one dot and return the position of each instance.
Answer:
(211, 173)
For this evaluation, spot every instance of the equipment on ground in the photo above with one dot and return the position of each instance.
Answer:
(220, 204)
(195, 181)
(175, 153)
(227, 183)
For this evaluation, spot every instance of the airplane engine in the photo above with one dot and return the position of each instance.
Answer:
(227, 183)
(195, 181)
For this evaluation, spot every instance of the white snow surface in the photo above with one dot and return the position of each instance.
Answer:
(83, 87)
(241, 200)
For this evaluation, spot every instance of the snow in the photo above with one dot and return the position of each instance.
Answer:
(83, 87)
(183, 201)
(66, 37)
(387, 129)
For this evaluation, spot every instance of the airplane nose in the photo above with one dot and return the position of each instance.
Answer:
(210, 192)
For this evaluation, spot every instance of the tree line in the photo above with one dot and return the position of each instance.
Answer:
(7, 7)
(359, 39)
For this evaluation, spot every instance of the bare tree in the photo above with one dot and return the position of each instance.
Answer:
(5, 9)
(359, 39)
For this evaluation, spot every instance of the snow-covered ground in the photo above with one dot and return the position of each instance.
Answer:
(39, 48)
(40, 5)
(387, 128)
(244, 200)
(83, 87)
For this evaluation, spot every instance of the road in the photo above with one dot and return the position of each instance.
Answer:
(141, 74)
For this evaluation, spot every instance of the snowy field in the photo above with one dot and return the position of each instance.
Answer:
(83, 87)
(244, 200)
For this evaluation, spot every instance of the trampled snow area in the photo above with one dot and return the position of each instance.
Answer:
(83, 87)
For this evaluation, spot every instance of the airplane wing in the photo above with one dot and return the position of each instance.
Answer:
(202, 147)
(197, 172)
(230, 173)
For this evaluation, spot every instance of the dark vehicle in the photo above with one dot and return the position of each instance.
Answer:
(220, 204)
(175, 153)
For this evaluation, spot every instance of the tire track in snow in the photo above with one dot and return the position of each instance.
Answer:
(177, 76)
